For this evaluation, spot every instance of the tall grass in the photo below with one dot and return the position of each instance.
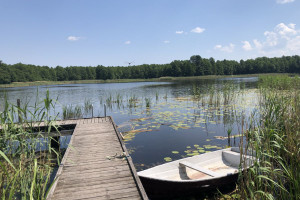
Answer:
(25, 171)
(148, 102)
(132, 101)
(276, 141)
(88, 106)
(72, 113)
(279, 82)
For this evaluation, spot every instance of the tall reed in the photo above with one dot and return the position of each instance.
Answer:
(275, 139)
(72, 113)
(25, 171)
(148, 102)
(88, 106)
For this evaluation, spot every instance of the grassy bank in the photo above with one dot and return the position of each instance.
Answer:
(37, 83)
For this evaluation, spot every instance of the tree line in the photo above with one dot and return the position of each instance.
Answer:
(195, 66)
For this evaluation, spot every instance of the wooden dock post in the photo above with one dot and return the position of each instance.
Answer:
(55, 142)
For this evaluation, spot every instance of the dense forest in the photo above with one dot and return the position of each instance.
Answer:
(195, 66)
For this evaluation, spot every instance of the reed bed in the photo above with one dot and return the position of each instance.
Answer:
(70, 112)
(88, 106)
(25, 170)
(275, 141)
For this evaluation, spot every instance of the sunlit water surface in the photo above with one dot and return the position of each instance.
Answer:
(161, 121)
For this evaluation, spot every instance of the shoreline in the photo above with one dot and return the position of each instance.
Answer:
(161, 79)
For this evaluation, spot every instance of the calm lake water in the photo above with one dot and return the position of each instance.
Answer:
(161, 121)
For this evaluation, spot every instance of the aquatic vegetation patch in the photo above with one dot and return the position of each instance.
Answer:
(182, 113)
(72, 113)
(196, 149)
(129, 135)
(231, 136)
(168, 159)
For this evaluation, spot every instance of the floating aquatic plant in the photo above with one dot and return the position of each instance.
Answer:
(168, 159)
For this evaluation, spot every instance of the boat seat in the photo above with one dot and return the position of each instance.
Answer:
(198, 168)
(234, 158)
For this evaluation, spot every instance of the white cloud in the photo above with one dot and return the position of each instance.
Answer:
(228, 49)
(293, 26)
(282, 40)
(285, 1)
(179, 32)
(257, 44)
(73, 38)
(284, 30)
(127, 42)
(166, 41)
(271, 38)
(294, 44)
(198, 30)
(247, 46)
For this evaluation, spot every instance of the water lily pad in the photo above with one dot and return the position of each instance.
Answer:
(193, 154)
(175, 152)
(168, 159)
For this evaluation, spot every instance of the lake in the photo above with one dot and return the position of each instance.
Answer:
(161, 121)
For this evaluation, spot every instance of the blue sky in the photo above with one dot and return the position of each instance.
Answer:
(114, 32)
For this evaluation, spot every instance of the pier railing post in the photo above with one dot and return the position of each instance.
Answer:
(104, 110)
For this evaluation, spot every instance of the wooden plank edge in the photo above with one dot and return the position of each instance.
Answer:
(60, 168)
(129, 160)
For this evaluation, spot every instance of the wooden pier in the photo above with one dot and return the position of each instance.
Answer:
(96, 164)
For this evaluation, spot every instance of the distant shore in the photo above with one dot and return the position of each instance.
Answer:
(161, 79)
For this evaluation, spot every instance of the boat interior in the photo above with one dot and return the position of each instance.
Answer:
(206, 166)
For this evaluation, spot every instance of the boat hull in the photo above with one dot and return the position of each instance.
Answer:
(160, 188)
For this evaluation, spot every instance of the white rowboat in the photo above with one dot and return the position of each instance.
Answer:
(193, 173)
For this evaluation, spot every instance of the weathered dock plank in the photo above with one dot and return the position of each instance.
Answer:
(96, 165)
